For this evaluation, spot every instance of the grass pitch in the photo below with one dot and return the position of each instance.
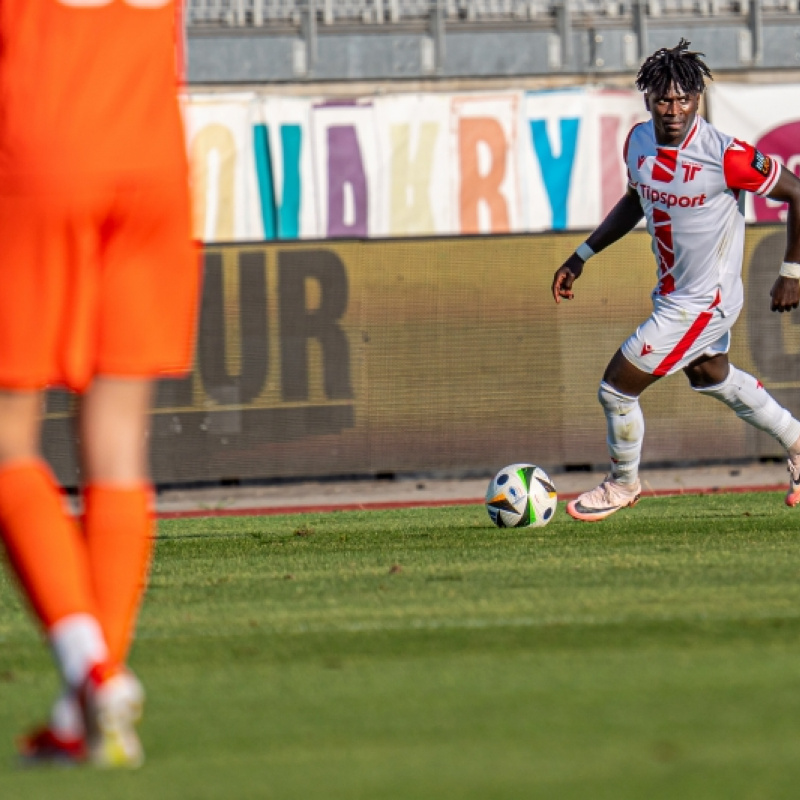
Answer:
(425, 654)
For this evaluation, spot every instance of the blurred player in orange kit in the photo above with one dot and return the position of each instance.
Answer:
(99, 294)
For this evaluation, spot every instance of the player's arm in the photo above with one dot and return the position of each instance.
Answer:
(785, 291)
(622, 219)
(747, 168)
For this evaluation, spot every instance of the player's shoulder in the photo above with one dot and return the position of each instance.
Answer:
(641, 130)
(640, 137)
(732, 149)
(711, 139)
(746, 167)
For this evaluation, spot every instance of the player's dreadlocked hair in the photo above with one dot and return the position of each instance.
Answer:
(676, 65)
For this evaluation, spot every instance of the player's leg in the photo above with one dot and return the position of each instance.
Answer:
(619, 392)
(49, 335)
(146, 313)
(47, 553)
(146, 309)
(118, 526)
(43, 543)
(667, 341)
(118, 522)
(715, 376)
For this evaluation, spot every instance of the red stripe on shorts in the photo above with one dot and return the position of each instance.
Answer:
(687, 340)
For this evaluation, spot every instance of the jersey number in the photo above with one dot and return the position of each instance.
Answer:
(134, 3)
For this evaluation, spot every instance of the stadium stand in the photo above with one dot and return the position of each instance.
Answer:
(285, 41)
(334, 12)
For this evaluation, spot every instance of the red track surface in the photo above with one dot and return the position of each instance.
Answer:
(381, 505)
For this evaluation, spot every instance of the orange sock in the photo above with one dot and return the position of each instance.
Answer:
(43, 543)
(118, 525)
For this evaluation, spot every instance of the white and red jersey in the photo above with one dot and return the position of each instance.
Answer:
(690, 195)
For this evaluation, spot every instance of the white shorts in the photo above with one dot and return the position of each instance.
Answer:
(671, 338)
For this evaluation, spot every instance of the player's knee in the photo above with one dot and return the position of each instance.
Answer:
(727, 390)
(20, 425)
(709, 372)
(614, 402)
(625, 421)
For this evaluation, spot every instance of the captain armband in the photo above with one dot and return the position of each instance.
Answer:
(789, 270)
(584, 253)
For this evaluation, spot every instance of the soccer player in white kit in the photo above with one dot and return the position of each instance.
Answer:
(686, 178)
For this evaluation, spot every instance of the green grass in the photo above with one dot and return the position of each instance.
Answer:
(424, 654)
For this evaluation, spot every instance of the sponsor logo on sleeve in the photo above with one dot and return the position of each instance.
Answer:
(761, 163)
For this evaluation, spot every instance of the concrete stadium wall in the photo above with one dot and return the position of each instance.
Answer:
(576, 47)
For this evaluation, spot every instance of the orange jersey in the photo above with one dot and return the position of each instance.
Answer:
(96, 262)
(87, 87)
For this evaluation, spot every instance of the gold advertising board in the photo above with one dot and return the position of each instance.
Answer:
(433, 355)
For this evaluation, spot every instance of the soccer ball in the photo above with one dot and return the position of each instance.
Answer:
(521, 496)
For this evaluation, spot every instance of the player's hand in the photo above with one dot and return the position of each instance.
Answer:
(565, 276)
(785, 294)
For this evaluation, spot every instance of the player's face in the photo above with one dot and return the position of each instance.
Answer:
(673, 113)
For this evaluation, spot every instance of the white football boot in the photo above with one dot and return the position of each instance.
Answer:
(793, 495)
(604, 500)
(112, 706)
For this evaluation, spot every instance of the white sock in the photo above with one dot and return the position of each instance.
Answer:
(66, 718)
(78, 644)
(755, 405)
(625, 427)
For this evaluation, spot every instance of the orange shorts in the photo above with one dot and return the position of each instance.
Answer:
(102, 279)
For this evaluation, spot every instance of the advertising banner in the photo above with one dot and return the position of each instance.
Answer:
(219, 132)
(268, 167)
(405, 165)
(284, 168)
(416, 161)
(347, 182)
(450, 356)
(572, 160)
(484, 131)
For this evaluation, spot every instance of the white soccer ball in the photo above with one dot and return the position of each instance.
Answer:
(521, 496)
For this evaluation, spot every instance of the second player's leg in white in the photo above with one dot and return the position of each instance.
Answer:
(621, 487)
(751, 402)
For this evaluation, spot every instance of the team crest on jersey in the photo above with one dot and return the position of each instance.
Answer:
(761, 163)
(690, 170)
(640, 162)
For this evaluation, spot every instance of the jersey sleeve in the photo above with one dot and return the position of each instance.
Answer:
(625, 148)
(749, 169)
